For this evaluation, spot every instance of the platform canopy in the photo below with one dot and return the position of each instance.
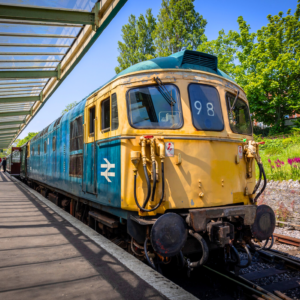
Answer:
(40, 43)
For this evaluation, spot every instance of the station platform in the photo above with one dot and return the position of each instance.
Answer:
(45, 253)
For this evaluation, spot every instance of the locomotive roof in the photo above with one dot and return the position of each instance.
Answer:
(186, 59)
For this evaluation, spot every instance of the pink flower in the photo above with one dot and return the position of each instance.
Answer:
(295, 166)
(290, 161)
(269, 160)
(282, 162)
(272, 167)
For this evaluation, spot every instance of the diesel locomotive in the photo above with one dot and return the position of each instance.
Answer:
(160, 159)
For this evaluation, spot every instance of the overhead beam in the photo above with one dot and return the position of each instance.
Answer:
(33, 45)
(29, 90)
(22, 82)
(15, 113)
(28, 61)
(11, 123)
(26, 68)
(28, 74)
(20, 87)
(39, 14)
(21, 93)
(56, 36)
(39, 23)
(19, 99)
(11, 128)
(30, 53)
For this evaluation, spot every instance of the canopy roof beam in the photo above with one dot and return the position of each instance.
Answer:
(31, 53)
(19, 99)
(29, 90)
(24, 68)
(15, 113)
(33, 45)
(11, 123)
(28, 61)
(35, 35)
(21, 87)
(9, 129)
(20, 94)
(39, 23)
(22, 82)
(41, 14)
(28, 74)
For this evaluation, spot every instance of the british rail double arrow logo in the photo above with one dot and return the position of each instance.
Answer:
(106, 173)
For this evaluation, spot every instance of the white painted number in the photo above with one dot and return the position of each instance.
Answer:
(210, 109)
(198, 106)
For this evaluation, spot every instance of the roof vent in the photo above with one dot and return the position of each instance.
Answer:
(200, 59)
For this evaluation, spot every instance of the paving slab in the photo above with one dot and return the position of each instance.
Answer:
(45, 253)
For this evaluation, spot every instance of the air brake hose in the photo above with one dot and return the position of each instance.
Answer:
(148, 186)
(259, 180)
(162, 192)
(154, 181)
(265, 183)
(205, 250)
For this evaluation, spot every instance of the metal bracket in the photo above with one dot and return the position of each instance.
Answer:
(96, 11)
(58, 72)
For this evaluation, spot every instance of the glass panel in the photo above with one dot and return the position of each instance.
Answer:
(105, 120)
(206, 107)
(92, 118)
(114, 112)
(76, 134)
(16, 156)
(148, 108)
(45, 147)
(239, 119)
(54, 143)
(39, 149)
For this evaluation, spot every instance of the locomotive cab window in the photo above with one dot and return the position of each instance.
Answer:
(206, 107)
(239, 118)
(92, 120)
(114, 112)
(105, 115)
(152, 107)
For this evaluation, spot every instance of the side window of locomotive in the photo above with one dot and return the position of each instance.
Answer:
(153, 107)
(239, 119)
(114, 112)
(206, 107)
(39, 149)
(54, 143)
(32, 151)
(76, 134)
(45, 146)
(105, 115)
(92, 118)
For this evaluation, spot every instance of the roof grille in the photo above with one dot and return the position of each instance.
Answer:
(200, 59)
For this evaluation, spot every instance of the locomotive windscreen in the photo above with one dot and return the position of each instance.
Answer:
(148, 108)
(239, 119)
(206, 107)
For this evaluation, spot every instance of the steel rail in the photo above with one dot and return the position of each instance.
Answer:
(252, 289)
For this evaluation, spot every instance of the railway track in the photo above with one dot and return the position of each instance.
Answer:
(286, 239)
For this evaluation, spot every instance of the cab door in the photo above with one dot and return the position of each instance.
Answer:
(90, 176)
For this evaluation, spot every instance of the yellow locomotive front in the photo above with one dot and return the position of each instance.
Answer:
(188, 158)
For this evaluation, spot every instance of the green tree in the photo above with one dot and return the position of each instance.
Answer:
(225, 48)
(269, 69)
(178, 26)
(69, 107)
(21, 142)
(137, 42)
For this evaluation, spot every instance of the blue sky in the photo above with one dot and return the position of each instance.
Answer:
(97, 67)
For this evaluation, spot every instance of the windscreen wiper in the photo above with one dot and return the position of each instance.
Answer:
(236, 97)
(164, 92)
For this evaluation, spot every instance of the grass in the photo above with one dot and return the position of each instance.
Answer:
(281, 157)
